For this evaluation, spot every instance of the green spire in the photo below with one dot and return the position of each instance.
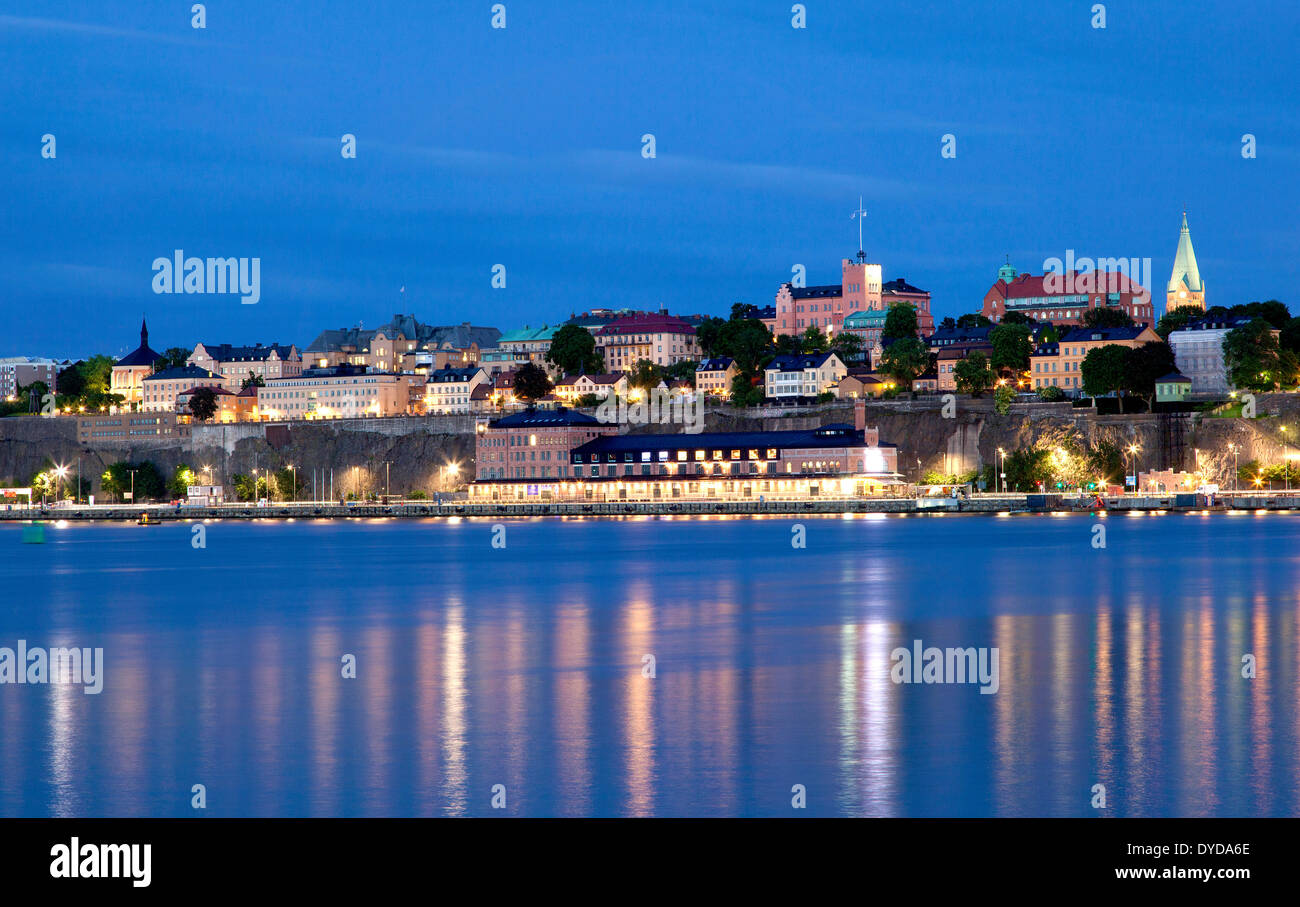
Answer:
(1185, 273)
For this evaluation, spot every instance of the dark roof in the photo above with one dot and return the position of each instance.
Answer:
(1047, 349)
(142, 355)
(823, 292)
(899, 285)
(544, 417)
(225, 352)
(456, 336)
(177, 373)
(716, 364)
(647, 323)
(946, 336)
(798, 363)
(1080, 335)
(837, 434)
(456, 375)
(1174, 378)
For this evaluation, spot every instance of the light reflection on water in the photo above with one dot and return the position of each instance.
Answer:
(523, 667)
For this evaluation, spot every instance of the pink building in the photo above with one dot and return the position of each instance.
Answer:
(534, 443)
(659, 337)
(861, 289)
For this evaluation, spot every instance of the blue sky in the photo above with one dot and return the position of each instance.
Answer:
(522, 146)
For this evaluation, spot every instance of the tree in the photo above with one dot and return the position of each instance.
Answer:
(904, 360)
(900, 322)
(1011, 347)
(847, 346)
(1255, 359)
(708, 334)
(973, 375)
(681, 370)
(1107, 318)
(531, 382)
(789, 345)
(247, 488)
(148, 483)
(814, 340)
(973, 320)
(948, 324)
(1146, 363)
(203, 403)
(1025, 469)
(174, 357)
(253, 380)
(1002, 398)
(1051, 394)
(644, 374)
(744, 392)
(181, 481)
(1016, 318)
(743, 311)
(573, 349)
(1176, 319)
(285, 483)
(1104, 369)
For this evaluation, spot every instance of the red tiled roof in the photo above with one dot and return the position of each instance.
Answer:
(647, 323)
(1031, 285)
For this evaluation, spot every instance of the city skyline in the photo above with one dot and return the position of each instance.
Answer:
(482, 153)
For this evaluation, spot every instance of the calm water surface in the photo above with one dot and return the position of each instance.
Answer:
(523, 666)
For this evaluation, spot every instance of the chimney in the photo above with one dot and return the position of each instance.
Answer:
(860, 414)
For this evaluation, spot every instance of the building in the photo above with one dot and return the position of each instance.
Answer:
(336, 392)
(1065, 299)
(860, 384)
(714, 376)
(235, 363)
(958, 336)
(448, 390)
(159, 391)
(949, 355)
(572, 389)
(659, 337)
(1186, 289)
(20, 371)
(230, 405)
(529, 344)
(533, 444)
(767, 315)
(869, 325)
(130, 371)
(802, 377)
(112, 430)
(1061, 364)
(1173, 388)
(861, 289)
(1198, 353)
(835, 460)
(386, 348)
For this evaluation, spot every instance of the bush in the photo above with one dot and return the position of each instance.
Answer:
(1051, 394)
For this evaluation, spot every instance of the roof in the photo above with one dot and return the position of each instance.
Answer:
(1185, 274)
(798, 363)
(544, 417)
(1110, 335)
(1032, 286)
(646, 323)
(1174, 378)
(900, 286)
(225, 352)
(716, 364)
(823, 292)
(837, 434)
(453, 374)
(528, 334)
(866, 318)
(457, 336)
(1047, 349)
(181, 373)
(217, 391)
(141, 355)
(946, 336)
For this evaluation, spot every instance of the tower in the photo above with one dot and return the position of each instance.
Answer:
(1185, 290)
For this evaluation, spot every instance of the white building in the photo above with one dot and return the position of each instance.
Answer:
(448, 390)
(805, 375)
(1198, 351)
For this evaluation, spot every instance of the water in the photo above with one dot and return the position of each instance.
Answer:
(523, 666)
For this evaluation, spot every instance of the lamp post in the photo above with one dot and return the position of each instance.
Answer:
(1133, 452)
(1001, 484)
(1233, 447)
(60, 473)
(387, 475)
(293, 481)
(1286, 459)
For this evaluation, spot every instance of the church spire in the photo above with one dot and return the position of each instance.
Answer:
(1185, 286)
(144, 334)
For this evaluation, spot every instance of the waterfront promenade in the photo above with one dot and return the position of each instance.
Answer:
(980, 503)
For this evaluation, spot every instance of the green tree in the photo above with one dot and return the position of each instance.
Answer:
(1025, 469)
(531, 382)
(1106, 318)
(814, 340)
(1176, 319)
(181, 481)
(903, 360)
(847, 346)
(1104, 369)
(1002, 398)
(1051, 394)
(973, 320)
(1017, 318)
(1290, 338)
(744, 392)
(1252, 356)
(948, 324)
(573, 350)
(1144, 364)
(253, 380)
(203, 403)
(148, 481)
(644, 374)
(973, 375)
(174, 357)
(900, 323)
(1011, 347)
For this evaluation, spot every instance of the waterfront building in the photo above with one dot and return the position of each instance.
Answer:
(658, 337)
(159, 391)
(1060, 364)
(21, 371)
(533, 444)
(235, 363)
(832, 460)
(1198, 353)
(1064, 300)
(129, 372)
(714, 376)
(572, 389)
(802, 377)
(1185, 289)
(448, 390)
(337, 392)
(861, 289)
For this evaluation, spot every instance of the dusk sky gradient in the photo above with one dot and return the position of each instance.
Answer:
(522, 146)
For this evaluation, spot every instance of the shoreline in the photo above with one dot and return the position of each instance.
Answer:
(1003, 504)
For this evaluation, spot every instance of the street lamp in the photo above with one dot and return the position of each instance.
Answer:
(1233, 447)
(1286, 458)
(1001, 484)
(60, 473)
(1133, 452)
